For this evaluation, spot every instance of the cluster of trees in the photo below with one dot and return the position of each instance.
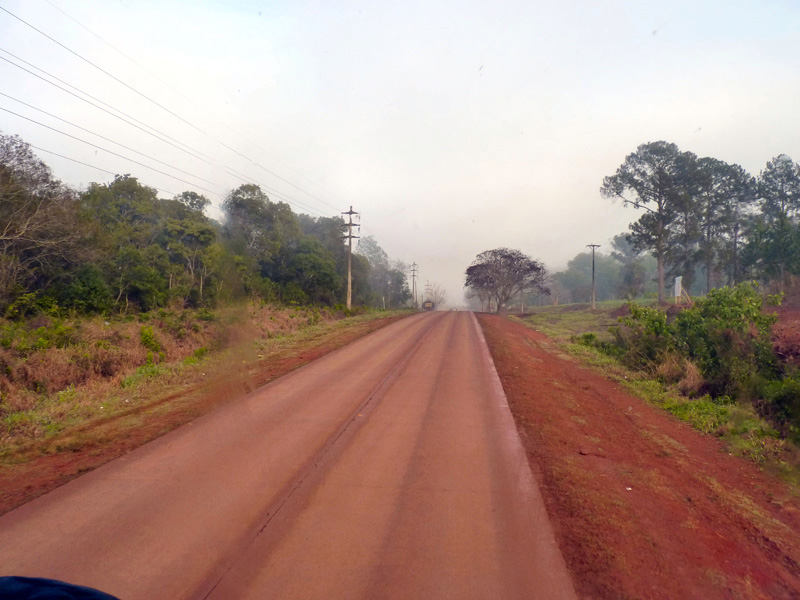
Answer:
(118, 246)
(623, 273)
(707, 218)
(708, 221)
(497, 276)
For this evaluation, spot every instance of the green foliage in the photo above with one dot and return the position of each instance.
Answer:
(119, 247)
(705, 414)
(205, 314)
(644, 336)
(144, 372)
(88, 293)
(25, 340)
(780, 400)
(577, 278)
(148, 339)
(196, 356)
(30, 304)
(726, 335)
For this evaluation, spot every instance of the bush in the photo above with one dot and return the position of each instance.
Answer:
(88, 293)
(149, 339)
(643, 337)
(728, 336)
(725, 336)
(780, 401)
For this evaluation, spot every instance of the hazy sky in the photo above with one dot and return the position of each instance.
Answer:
(453, 127)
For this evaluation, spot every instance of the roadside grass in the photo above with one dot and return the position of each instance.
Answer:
(165, 372)
(744, 432)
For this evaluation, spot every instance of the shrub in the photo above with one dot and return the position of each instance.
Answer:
(725, 336)
(149, 339)
(88, 292)
(643, 337)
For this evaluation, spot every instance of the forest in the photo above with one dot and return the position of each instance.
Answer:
(117, 248)
(708, 221)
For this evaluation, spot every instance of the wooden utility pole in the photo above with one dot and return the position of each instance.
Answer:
(414, 267)
(350, 237)
(593, 247)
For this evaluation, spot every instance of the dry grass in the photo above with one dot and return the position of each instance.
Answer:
(57, 375)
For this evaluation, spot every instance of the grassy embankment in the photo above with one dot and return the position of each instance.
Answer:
(744, 432)
(71, 384)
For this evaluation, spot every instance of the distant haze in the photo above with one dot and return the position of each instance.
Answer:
(453, 127)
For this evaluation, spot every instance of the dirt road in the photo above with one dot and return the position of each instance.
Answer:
(388, 469)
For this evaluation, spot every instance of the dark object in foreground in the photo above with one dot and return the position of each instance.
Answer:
(35, 588)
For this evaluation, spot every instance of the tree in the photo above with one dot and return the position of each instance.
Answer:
(388, 281)
(653, 179)
(313, 270)
(188, 241)
(262, 234)
(774, 246)
(193, 201)
(632, 272)
(41, 234)
(132, 241)
(740, 189)
(577, 278)
(724, 194)
(684, 232)
(263, 226)
(436, 294)
(503, 273)
(127, 212)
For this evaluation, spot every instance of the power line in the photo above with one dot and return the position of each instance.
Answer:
(159, 135)
(159, 105)
(179, 93)
(109, 151)
(108, 139)
(80, 162)
(99, 68)
(124, 120)
(199, 156)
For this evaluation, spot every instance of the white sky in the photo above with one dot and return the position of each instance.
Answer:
(453, 127)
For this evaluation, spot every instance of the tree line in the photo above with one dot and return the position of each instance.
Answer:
(704, 219)
(118, 247)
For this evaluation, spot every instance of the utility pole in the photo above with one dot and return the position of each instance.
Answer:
(593, 247)
(350, 237)
(414, 267)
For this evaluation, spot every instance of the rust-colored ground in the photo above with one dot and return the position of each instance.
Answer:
(643, 506)
(786, 334)
(51, 463)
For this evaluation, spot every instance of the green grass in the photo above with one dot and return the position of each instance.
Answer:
(563, 322)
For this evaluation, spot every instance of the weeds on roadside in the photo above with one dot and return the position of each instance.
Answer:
(711, 365)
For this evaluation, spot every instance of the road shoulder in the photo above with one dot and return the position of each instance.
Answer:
(642, 505)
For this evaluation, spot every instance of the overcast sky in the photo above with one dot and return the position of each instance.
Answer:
(452, 127)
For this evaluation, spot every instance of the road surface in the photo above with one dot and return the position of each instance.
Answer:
(388, 469)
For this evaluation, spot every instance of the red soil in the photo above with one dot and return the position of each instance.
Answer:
(643, 506)
(786, 334)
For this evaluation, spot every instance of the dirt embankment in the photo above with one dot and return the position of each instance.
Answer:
(644, 506)
(47, 462)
